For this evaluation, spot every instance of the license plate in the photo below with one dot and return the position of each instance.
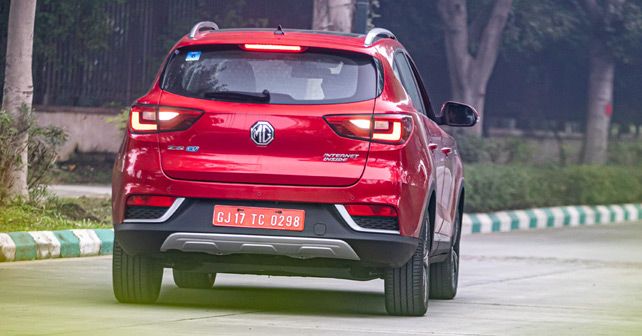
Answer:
(259, 218)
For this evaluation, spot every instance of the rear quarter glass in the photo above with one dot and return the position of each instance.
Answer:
(313, 76)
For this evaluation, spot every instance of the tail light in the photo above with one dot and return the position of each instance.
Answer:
(143, 119)
(152, 119)
(371, 210)
(151, 201)
(148, 208)
(385, 128)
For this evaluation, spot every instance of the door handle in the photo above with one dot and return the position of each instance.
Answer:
(446, 150)
(432, 146)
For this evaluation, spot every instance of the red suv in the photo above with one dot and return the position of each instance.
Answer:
(289, 152)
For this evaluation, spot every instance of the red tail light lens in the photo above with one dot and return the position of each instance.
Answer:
(143, 119)
(272, 47)
(369, 210)
(151, 201)
(176, 119)
(351, 126)
(151, 119)
(385, 128)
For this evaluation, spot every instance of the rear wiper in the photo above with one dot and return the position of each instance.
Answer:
(240, 96)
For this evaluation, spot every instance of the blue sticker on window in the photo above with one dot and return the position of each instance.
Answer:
(193, 56)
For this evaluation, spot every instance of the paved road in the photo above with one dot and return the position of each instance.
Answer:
(581, 281)
(80, 190)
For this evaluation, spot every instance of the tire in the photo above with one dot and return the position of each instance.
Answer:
(407, 287)
(135, 279)
(444, 276)
(193, 280)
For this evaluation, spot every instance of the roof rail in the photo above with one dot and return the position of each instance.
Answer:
(375, 33)
(203, 25)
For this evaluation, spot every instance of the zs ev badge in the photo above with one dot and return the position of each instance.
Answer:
(262, 133)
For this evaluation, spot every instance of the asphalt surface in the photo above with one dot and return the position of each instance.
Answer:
(576, 281)
(71, 190)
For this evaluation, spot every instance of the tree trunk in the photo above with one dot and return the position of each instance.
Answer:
(478, 100)
(600, 108)
(601, 75)
(333, 15)
(320, 15)
(18, 81)
(475, 97)
(469, 73)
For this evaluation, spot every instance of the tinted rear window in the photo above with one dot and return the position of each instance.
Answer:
(315, 76)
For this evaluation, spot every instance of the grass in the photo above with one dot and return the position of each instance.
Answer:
(56, 214)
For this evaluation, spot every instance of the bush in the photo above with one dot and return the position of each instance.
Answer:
(42, 148)
(531, 151)
(625, 153)
(121, 119)
(494, 150)
(495, 187)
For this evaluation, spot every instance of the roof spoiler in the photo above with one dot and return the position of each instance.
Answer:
(373, 35)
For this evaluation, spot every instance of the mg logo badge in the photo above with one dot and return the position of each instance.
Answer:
(262, 133)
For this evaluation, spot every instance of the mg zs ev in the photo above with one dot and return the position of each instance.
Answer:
(289, 152)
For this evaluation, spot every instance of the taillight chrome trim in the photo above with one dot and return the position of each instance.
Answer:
(167, 215)
(353, 225)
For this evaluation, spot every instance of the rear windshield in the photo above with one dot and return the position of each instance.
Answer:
(315, 76)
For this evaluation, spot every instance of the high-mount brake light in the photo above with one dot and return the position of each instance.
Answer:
(384, 128)
(151, 119)
(151, 201)
(272, 47)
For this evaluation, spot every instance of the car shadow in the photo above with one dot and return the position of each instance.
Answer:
(278, 300)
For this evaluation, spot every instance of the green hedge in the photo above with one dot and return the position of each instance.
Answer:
(506, 187)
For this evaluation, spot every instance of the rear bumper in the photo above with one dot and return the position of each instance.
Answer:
(399, 178)
(327, 235)
(228, 244)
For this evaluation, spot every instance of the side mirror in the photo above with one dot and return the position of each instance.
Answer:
(458, 115)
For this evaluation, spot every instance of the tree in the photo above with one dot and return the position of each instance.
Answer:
(472, 49)
(615, 28)
(334, 15)
(597, 37)
(18, 82)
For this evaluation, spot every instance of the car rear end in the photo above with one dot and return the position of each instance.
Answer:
(267, 153)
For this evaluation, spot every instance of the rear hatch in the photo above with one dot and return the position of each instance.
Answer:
(263, 112)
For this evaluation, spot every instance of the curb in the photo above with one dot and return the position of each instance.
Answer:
(544, 218)
(35, 245)
(20, 246)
